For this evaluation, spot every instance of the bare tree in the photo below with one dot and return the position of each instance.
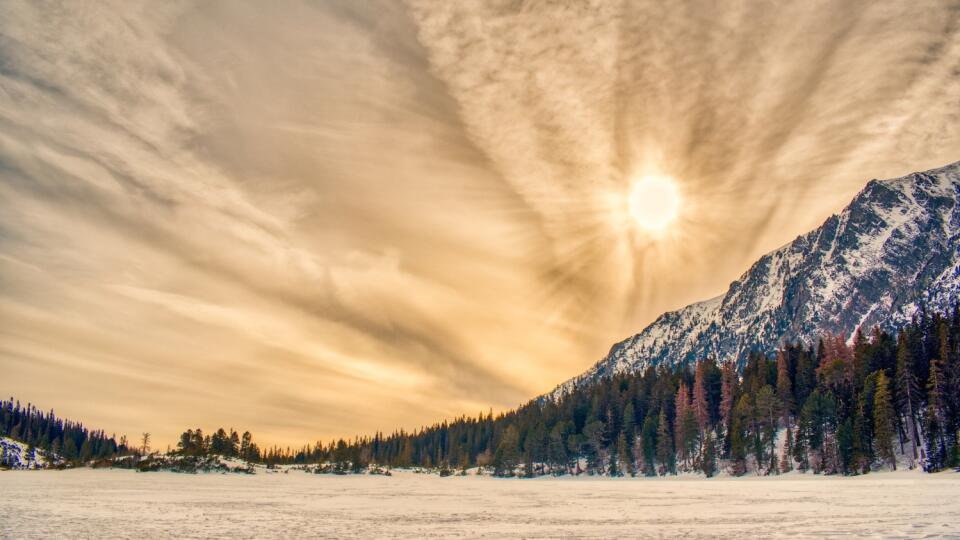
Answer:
(145, 444)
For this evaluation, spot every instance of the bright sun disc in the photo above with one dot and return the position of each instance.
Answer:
(654, 202)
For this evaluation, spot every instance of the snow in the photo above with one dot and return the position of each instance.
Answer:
(17, 455)
(120, 503)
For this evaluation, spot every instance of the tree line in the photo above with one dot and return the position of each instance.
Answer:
(834, 407)
(229, 444)
(70, 441)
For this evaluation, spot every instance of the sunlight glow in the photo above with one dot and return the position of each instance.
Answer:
(654, 202)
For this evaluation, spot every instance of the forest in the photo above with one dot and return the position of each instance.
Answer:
(878, 402)
(69, 440)
(832, 408)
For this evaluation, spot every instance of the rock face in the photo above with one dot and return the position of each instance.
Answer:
(891, 251)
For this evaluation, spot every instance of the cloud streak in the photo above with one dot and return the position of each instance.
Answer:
(316, 220)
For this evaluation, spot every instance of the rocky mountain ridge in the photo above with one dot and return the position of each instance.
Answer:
(891, 251)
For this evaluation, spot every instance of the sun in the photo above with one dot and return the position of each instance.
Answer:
(654, 202)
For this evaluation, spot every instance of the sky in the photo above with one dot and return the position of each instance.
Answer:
(321, 219)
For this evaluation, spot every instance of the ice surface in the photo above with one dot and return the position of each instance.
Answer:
(87, 503)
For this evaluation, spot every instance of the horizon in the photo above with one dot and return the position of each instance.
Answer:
(320, 221)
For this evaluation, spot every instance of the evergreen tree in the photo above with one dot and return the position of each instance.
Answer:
(883, 420)
(784, 386)
(728, 390)
(506, 457)
(233, 445)
(557, 449)
(805, 380)
(935, 419)
(818, 424)
(786, 460)
(86, 451)
(907, 395)
(708, 459)
(700, 403)
(69, 449)
(648, 441)
(665, 455)
(593, 434)
(768, 411)
(738, 433)
(624, 460)
(629, 424)
(682, 436)
(845, 446)
(245, 441)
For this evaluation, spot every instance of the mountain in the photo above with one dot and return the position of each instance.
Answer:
(893, 249)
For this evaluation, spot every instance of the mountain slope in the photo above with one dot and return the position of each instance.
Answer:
(893, 249)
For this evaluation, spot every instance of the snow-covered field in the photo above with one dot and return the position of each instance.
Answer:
(87, 503)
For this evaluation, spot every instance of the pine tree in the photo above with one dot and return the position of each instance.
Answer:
(805, 380)
(145, 443)
(681, 433)
(768, 410)
(708, 459)
(648, 442)
(845, 446)
(786, 460)
(830, 455)
(245, 441)
(665, 455)
(86, 450)
(935, 419)
(506, 457)
(593, 433)
(883, 420)
(738, 432)
(69, 449)
(784, 386)
(818, 423)
(907, 394)
(728, 390)
(557, 448)
(233, 446)
(863, 425)
(629, 423)
(624, 460)
(949, 335)
(700, 406)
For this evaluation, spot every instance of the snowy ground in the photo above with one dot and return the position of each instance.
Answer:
(87, 503)
(16, 455)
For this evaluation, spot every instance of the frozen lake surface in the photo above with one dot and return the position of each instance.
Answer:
(89, 503)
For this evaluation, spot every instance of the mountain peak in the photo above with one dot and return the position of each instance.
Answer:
(893, 249)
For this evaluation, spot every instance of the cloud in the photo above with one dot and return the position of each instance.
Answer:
(774, 114)
(320, 219)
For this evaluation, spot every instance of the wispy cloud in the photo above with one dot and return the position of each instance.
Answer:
(323, 219)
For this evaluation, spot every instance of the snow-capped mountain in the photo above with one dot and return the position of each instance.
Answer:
(893, 249)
